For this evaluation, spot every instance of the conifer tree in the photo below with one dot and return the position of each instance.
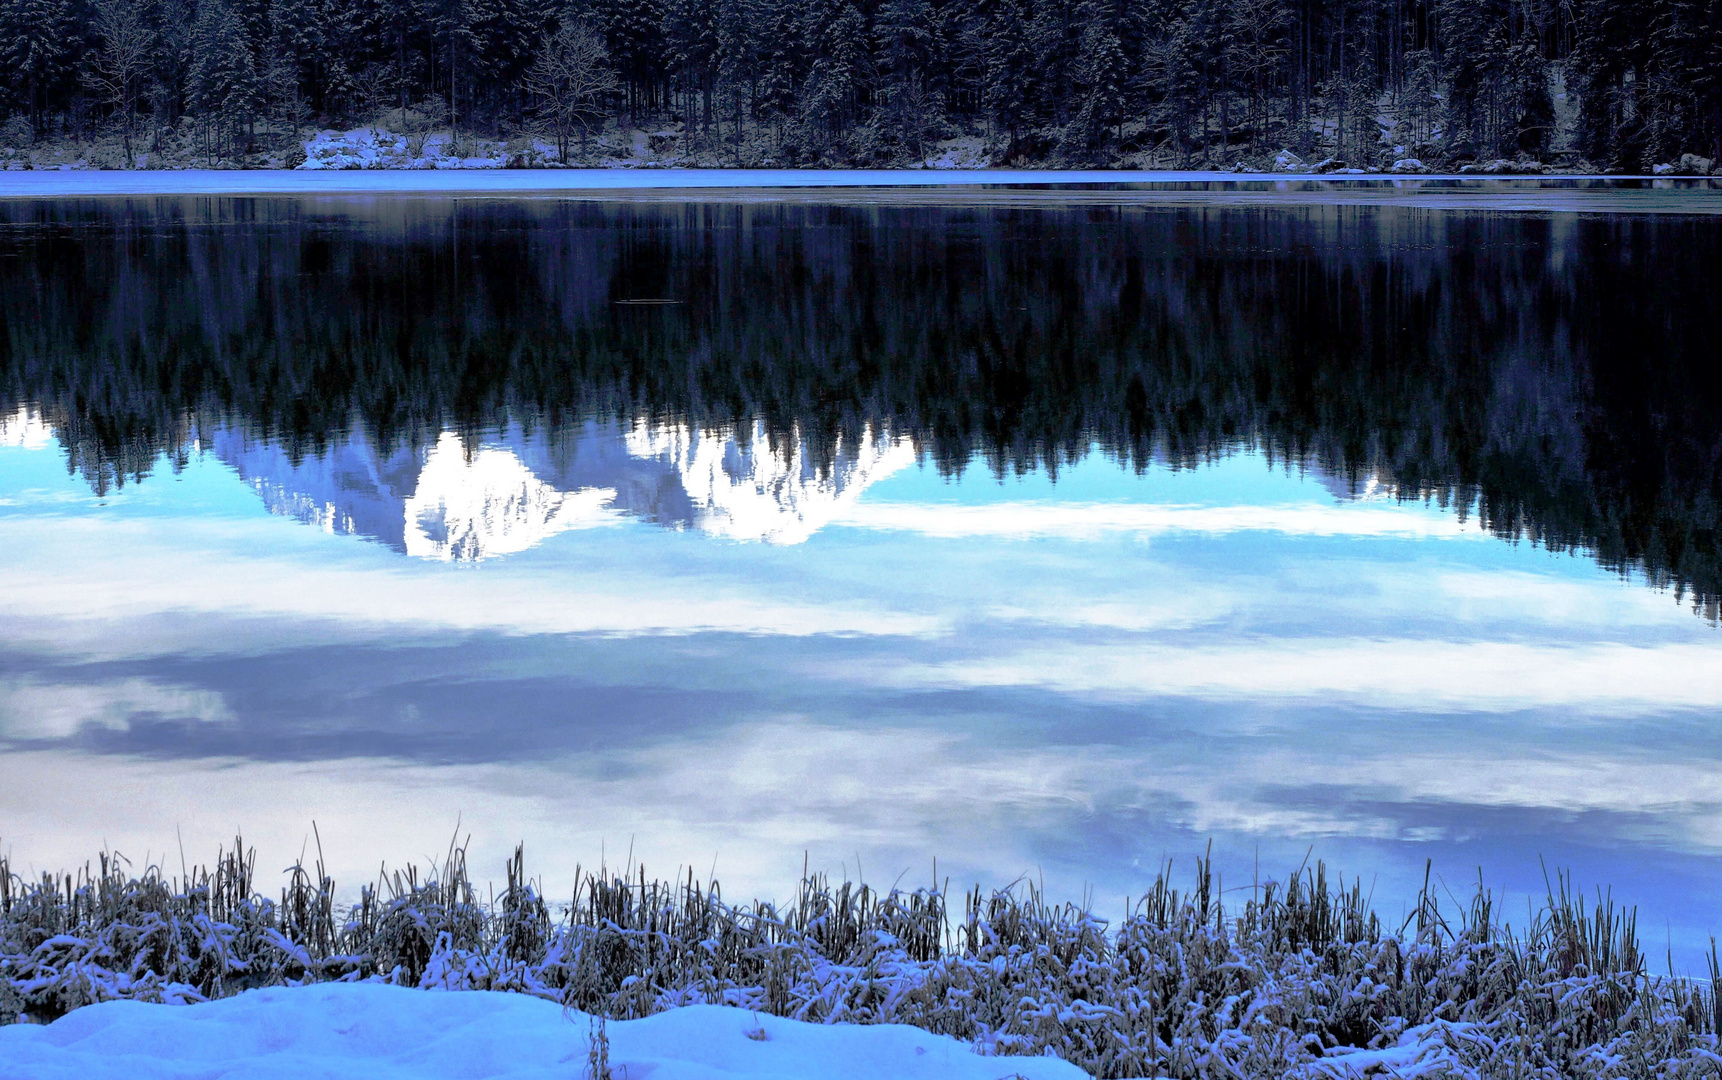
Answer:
(223, 81)
(35, 51)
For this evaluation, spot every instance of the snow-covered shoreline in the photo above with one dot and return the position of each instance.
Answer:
(340, 1030)
(1586, 194)
(1534, 194)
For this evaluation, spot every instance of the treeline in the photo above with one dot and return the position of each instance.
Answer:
(1618, 83)
(1524, 369)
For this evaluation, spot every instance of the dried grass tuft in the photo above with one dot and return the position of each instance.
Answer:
(1182, 986)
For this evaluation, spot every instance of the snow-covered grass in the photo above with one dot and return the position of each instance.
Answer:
(1300, 980)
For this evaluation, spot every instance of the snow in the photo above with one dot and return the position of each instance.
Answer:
(379, 148)
(742, 487)
(470, 506)
(25, 429)
(374, 1032)
(448, 501)
(1424, 1050)
(45, 183)
(963, 153)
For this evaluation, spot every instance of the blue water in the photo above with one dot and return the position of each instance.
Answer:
(691, 643)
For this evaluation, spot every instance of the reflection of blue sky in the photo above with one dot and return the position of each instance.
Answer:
(1076, 678)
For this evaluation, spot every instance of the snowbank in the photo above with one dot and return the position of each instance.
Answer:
(338, 1030)
(378, 148)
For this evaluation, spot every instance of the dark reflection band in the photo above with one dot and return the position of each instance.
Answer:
(1554, 374)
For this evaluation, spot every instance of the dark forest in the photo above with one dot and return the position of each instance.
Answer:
(1613, 85)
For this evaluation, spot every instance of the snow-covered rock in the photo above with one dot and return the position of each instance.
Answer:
(379, 148)
(1408, 165)
(336, 1031)
(1286, 161)
(1503, 167)
(969, 152)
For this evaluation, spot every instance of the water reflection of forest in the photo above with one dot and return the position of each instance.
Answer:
(1555, 373)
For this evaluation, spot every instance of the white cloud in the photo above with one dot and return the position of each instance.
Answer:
(1413, 675)
(1087, 521)
(72, 577)
(31, 709)
(751, 798)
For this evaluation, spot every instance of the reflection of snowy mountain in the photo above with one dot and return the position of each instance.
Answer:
(25, 428)
(510, 492)
(1364, 485)
(749, 490)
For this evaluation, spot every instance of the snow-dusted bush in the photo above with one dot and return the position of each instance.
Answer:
(1304, 980)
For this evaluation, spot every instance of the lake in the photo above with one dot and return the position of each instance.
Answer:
(1050, 536)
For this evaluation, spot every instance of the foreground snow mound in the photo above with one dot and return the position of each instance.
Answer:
(375, 1032)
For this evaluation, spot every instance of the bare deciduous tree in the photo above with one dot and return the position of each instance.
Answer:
(118, 69)
(572, 80)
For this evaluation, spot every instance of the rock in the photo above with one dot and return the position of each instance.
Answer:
(1693, 165)
(17, 134)
(1408, 165)
(1500, 167)
(1664, 169)
(1286, 161)
(1328, 165)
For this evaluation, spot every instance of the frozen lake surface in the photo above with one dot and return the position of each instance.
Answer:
(1035, 537)
(1586, 194)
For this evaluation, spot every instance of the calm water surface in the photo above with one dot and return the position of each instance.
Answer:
(1034, 540)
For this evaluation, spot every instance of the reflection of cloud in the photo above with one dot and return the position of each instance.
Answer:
(30, 709)
(26, 429)
(489, 503)
(750, 798)
(73, 576)
(1081, 521)
(1607, 602)
(1405, 674)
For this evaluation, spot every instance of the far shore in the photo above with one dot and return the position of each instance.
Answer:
(1532, 193)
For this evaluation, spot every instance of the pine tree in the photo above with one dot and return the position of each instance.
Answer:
(1010, 64)
(1100, 78)
(909, 41)
(35, 51)
(223, 82)
(740, 63)
(837, 78)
